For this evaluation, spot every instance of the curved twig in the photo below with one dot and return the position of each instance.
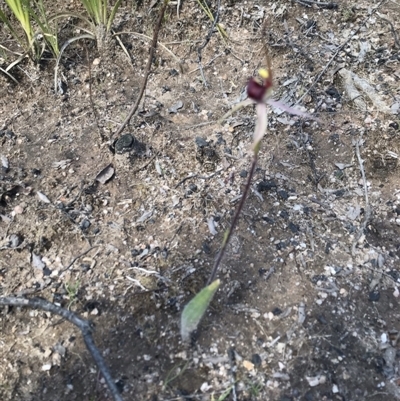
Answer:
(9, 75)
(83, 325)
(145, 37)
(65, 45)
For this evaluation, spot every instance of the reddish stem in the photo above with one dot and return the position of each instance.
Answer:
(234, 222)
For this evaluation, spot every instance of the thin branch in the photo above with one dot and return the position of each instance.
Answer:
(207, 65)
(309, 3)
(357, 144)
(79, 256)
(147, 71)
(395, 37)
(198, 176)
(185, 179)
(83, 325)
(206, 40)
(146, 164)
(339, 49)
(233, 371)
(367, 213)
(228, 233)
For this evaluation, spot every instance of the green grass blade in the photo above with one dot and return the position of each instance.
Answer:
(48, 31)
(209, 14)
(8, 24)
(20, 9)
(22, 16)
(112, 15)
(225, 394)
(195, 309)
(91, 10)
(206, 10)
(103, 5)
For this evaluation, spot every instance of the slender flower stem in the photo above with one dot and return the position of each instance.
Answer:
(229, 232)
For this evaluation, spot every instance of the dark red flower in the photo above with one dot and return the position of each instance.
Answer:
(257, 90)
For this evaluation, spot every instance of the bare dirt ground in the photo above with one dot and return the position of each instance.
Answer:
(309, 303)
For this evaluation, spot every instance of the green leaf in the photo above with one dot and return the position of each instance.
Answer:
(195, 309)
(225, 394)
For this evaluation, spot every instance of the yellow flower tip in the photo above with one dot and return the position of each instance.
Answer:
(263, 73)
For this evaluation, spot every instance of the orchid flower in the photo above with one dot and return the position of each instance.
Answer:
(259, 90)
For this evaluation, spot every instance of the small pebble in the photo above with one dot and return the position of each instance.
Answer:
(264, 186)
(248, 365)
(206, 248)
(294, 228)
(46, 368)
(192, 188)
(284, 214)
(15, 240)
(201, 142)
(135, 252)
(374, 296)
(256, 359)
(85, 224)
(283, 194)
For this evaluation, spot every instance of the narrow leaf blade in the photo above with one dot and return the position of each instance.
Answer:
(195, 309)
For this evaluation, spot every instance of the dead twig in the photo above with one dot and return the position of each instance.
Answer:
(146, 164)
(70, 203)
(381, 272)
(185, 179)
(309, 3)
(204, 44)
(208, 64)
(83, 325)
(339, 49)
(147, 70)
(233, 371)
(79, 256)
(202, 177)
(394, 33)
(199, 125)
(96, 114)
(295, 47)
(311, 158)
(367, 214)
